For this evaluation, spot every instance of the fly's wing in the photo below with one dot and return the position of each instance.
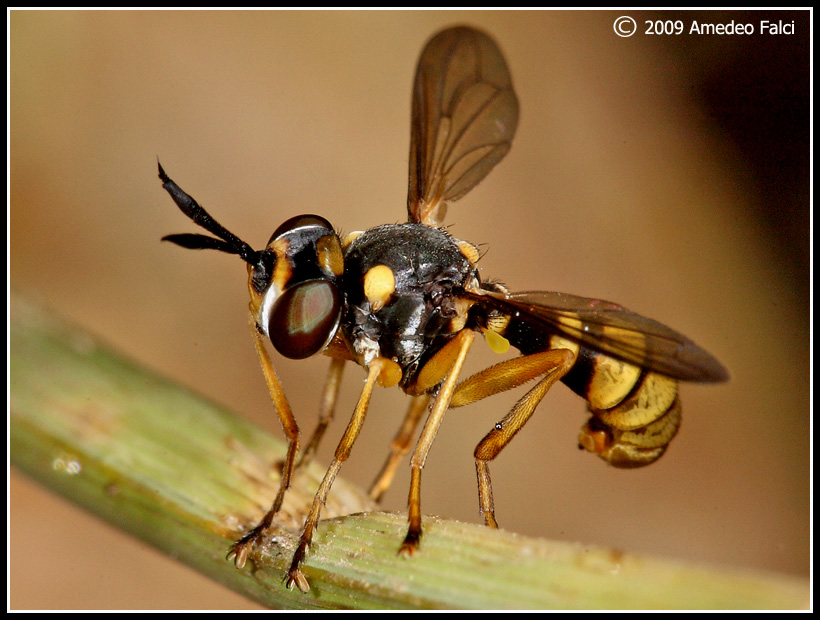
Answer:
(610, 329)
(464, 117)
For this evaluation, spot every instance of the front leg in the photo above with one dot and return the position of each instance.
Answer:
(240, 550)
(380, 369)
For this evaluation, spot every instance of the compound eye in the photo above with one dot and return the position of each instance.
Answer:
(300, 221)
(304, 318)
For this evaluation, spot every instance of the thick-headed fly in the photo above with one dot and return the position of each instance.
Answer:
(405, 302)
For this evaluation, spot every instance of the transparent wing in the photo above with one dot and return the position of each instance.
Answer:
(610, 329)
(464, 117)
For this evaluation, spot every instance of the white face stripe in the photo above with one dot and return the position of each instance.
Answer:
(270, 297)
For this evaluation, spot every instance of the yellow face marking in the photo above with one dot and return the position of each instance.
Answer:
(379, 284)
(282, 271)
(329, 255)
(469, 251)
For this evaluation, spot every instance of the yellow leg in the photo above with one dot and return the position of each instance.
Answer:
(326, 409)
(240, 549)
(295, 575)
(461, 344)
(506, 375)
(553, 364)
(399, 447)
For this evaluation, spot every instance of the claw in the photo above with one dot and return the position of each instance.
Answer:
(240, 550)
(298, 579)
(410, 545)
(239, 553)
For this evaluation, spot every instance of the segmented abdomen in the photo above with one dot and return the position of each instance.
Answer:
(635, 412)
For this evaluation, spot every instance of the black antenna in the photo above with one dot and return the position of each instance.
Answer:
(226, 242)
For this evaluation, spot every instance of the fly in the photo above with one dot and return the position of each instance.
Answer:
(406, 301)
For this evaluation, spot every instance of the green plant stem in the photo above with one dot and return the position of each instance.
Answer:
(188, 478)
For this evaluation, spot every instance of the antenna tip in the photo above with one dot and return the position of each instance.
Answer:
(162, 176)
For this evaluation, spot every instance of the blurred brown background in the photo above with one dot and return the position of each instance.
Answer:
(667, 173)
